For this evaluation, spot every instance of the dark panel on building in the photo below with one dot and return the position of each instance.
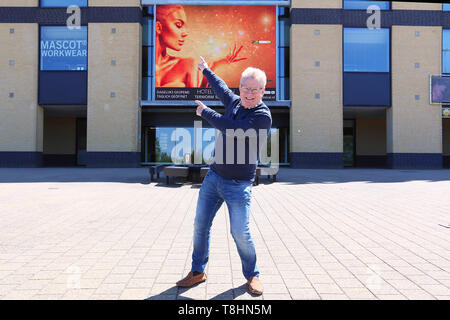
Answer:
(113, 159)
(367, 89)
(415, 160)
(20, 159)
(60, 15)
(358, 18)
(317, 160)
(115, 14)
(370, 161)
(185, 118)
(60, 160)
(62, 87)
(446, 162)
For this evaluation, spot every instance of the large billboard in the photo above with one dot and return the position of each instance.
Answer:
(230, 38)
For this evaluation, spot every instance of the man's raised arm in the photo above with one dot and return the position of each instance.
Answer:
(217, 84)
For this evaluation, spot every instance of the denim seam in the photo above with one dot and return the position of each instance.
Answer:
(210, 225)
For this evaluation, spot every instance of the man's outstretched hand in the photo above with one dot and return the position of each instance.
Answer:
(202, 65)
(200, 107)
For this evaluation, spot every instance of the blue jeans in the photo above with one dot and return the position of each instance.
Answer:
(237, 195)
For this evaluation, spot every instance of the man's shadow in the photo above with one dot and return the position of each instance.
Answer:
(230, 294)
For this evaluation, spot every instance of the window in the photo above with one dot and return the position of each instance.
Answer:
(446, 51)
(366, 50)
(147, 54)
(283, 53)
(63, 3)
(63, 48)
(161, 143)
(363, 5)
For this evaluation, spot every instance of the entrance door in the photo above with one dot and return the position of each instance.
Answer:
(81, 141)
(349, 143)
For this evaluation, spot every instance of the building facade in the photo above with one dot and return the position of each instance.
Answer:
(350, 86)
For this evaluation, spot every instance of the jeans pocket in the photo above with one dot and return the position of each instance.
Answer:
(241, 182)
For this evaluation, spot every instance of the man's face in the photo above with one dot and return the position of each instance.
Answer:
(251, 92)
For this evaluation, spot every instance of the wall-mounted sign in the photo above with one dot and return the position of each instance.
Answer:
(230, 38)
(63, 48)
(439, 89)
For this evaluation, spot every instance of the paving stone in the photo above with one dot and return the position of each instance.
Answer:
(20, 295)
(304, 294)
(359, 294)
(135, 294)
(276, 296)
(391, 297)
(78, 294)
(110, 288)
(416, 294)
(326, 296)
(134, 241)
(327, 288)
(436, 290)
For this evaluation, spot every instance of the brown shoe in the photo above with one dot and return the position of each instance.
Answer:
(190, 279)
(255, 285)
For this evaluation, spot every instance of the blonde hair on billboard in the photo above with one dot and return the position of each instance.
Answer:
(163, 11)
(255, 73)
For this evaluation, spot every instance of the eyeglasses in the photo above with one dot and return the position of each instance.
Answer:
(250, 90)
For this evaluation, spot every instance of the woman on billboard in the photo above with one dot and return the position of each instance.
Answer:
(171, 32)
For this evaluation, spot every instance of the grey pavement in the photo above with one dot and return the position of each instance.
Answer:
(77, 233)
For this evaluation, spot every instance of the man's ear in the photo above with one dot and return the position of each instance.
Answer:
(158, 27)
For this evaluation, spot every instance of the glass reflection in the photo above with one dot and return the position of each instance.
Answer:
(191, 145)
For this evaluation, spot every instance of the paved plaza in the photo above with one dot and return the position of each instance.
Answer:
(77, 233)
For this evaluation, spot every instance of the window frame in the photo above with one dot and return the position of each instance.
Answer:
(445, 30)
(150, 50)
(65, 6)
(389, 3)
(389, 31)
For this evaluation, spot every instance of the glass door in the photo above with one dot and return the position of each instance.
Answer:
(349, 143)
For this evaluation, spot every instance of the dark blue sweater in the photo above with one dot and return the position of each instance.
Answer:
(236, 117)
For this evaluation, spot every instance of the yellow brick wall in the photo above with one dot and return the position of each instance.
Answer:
(316, 4)
(19, 3)
(414, 126)
(399, 5)
(320, 120)
(112, 123)
(20, 116)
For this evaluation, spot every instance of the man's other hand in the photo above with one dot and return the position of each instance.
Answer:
(200, 107)
(202, 65)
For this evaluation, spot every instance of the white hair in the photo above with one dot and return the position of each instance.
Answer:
(255, 73)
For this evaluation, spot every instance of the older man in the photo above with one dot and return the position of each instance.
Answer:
(230, 182)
